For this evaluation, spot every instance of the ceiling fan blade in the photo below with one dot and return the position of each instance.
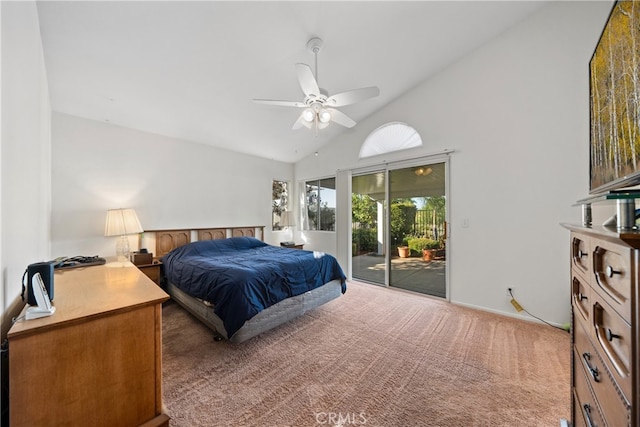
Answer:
(308, 83)
(341, 118)
(353, 96)
(279, 103)
(301, 122)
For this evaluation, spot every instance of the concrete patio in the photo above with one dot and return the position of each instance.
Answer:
(413, 274)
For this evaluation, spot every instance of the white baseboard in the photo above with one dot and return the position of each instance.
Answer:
(505, 313)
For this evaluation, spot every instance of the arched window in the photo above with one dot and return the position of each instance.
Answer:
(390, 137)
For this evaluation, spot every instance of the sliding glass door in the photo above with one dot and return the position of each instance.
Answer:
(418, 229)
(368, 209)
(399, 229)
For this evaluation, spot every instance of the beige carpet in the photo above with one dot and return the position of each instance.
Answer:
(374, 357)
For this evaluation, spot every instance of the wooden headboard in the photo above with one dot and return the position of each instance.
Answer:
(168, 240)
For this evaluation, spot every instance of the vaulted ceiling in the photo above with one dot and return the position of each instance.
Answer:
(191, 69)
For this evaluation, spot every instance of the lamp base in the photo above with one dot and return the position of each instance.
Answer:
(122, 249)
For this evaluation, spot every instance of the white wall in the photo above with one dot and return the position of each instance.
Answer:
(25, 190)
(170, 183)
(516, 112)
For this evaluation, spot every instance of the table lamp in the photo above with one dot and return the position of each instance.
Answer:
(122, 222)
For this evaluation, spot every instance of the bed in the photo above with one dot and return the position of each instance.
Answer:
(238, 285)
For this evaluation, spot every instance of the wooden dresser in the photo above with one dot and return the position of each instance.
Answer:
(98, 359)
(605, 277)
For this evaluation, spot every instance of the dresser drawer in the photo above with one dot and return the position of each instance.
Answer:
(587, 413)
(614, 275)
(589, 366)
(613, 341)
(581, 255)
(581, 301)
(605, 315)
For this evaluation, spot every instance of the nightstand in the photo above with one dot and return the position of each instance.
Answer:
(152, 270)
(296, 246)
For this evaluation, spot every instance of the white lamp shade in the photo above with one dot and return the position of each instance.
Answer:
(308, 114)
(287, 219)
(121, 222)
(324, 116)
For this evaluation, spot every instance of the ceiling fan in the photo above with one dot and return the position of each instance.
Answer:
(318, 105)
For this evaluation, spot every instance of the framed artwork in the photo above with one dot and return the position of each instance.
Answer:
(614, 74)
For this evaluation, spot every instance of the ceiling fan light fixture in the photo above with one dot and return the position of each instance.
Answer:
(324, 116)
(308, 115)
(317, 104)
(423, 171)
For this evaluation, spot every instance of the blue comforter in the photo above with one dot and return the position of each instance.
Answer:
(242, 276)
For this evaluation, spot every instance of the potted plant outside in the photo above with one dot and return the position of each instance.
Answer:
(427, 247)
(403, 251)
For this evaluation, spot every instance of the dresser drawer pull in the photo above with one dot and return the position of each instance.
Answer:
(604, 338)
(582, 254)
(593, 371)
(582, 297)
(611, 336)
(611, 272)
(586, 408)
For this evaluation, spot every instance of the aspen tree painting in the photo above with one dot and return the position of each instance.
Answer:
(615, 101)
